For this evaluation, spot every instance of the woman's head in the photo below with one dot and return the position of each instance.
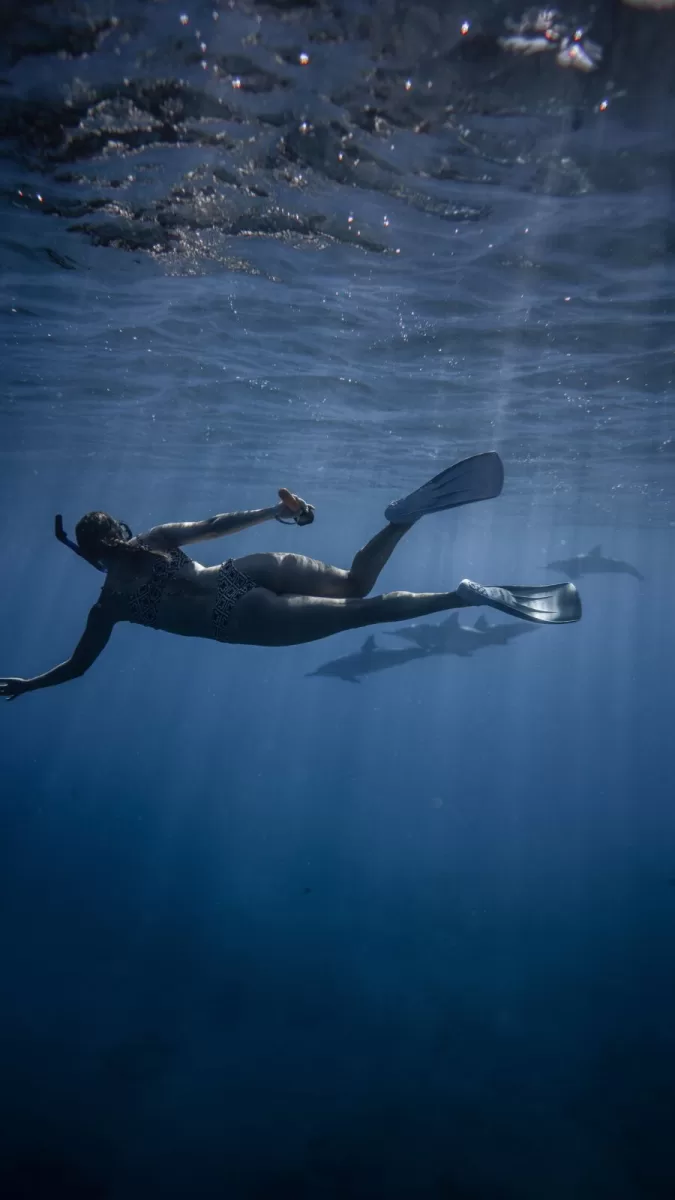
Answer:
(99, 536)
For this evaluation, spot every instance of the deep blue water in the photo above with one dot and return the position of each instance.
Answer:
(266, 931)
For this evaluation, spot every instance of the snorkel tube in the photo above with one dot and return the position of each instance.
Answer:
(62, 536)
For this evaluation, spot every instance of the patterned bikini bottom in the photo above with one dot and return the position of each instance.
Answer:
(232, 585)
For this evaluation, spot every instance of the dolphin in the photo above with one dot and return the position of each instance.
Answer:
(369, 659)
(428, 641)
(594, 563)
(452, 638)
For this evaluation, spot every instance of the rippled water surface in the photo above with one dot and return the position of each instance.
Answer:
(332, 243)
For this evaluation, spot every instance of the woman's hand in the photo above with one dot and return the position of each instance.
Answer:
(11, 688)
(292, 507)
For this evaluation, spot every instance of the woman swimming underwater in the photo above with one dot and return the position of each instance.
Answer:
(276, 599)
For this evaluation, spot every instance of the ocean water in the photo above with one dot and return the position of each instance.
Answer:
(387, 918)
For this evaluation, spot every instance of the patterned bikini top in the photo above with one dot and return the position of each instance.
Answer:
(145, 601)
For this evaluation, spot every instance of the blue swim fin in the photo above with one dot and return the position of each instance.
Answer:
(557, 604)
(477, 478)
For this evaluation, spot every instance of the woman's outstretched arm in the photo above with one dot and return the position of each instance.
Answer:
(93, 641)
(182, 533)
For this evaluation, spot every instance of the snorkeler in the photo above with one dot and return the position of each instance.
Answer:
(276, 599)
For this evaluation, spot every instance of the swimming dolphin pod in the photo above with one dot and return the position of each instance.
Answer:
(429, 640)
(452, 638)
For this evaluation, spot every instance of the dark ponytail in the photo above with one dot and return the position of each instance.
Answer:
(99, 534)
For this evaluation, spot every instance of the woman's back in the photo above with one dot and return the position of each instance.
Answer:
(166, 590)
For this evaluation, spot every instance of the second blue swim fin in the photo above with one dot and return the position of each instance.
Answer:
(477, 478)
(550, 604)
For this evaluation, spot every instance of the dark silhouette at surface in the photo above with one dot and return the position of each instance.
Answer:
(594, 563)
(430, 640)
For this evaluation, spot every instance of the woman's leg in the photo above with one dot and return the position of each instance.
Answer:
(295, 575)
(263, 619)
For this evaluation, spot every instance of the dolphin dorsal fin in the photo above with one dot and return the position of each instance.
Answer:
(481, 624)
(453, 620)
(595, 552)
(369, 645)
